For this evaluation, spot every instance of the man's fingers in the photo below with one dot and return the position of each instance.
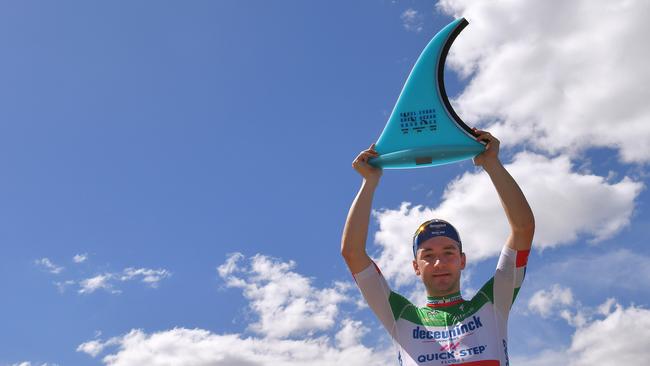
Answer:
(485, 136)
(369, 152)
(364, 156)
(367, 157)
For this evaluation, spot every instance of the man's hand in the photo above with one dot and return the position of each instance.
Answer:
(491, 152)
(367, 171)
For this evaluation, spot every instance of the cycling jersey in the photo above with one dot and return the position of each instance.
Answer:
(450, 330)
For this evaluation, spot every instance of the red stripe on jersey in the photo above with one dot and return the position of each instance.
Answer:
(522, 257)
(445, 304)
(376, 267)
(480, 363)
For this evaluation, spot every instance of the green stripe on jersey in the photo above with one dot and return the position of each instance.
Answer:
(514, 295)
(442, 316)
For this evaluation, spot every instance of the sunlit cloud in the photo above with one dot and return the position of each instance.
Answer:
(412, 20)
(568, 206)
(48, 265)
(297, 324)
(557, 81)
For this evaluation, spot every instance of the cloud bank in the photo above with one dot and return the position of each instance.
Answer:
(197, 347)
(285, 301)
(608, 334)
(107, 281)
(560, 76)
(297, 324)
(567, 206)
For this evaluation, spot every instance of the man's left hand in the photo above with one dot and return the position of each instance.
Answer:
(491, 152)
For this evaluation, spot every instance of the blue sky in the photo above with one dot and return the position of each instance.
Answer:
(154, 139)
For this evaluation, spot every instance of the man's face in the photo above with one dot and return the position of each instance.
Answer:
(439, 263)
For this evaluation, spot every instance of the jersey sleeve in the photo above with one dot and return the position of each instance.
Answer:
(380, 298)
(508, 277)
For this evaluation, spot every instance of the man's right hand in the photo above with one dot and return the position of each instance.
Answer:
(367, 171)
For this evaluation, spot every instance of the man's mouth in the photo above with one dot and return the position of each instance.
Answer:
(441, 275)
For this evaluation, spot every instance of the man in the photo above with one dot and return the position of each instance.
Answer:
(449, 330)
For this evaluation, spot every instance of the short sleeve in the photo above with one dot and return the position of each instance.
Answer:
(376, 292)
(508, 277)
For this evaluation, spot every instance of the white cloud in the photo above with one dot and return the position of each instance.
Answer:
(621, 338)
(606, 307)
(95, 347)
(107, 281)
(559, 302)
(546, 302)
(47, 264)
(149, 276)
(603, 337)
(198, 347)
(412, 20)
(92, 348)
(231, 265)
(285, 301)
(80, 258)
(350, 334)
(566, 205)
(63, 285)
(561, 81)
(90, 285)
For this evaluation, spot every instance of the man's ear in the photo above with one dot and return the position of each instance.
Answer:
(463, 261)
(416, 268)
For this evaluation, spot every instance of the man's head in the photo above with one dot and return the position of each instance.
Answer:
(439, 257)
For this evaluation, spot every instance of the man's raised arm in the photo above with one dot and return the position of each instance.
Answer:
(518, 212)
(355, 232)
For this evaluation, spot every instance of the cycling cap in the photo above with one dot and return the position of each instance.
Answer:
(431, 229)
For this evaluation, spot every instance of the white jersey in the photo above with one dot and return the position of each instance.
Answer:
(450, 330)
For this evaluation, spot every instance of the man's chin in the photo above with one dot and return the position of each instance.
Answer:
(442, 287)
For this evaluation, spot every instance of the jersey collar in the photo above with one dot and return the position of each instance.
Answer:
(447, 300)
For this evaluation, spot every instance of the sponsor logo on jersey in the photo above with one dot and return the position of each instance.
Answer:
(450, 347)
(452, 355)
(435, 335)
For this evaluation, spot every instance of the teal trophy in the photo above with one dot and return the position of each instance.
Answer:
(423, 129)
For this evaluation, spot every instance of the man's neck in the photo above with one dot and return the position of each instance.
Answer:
(444, 300)
(438, 294)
